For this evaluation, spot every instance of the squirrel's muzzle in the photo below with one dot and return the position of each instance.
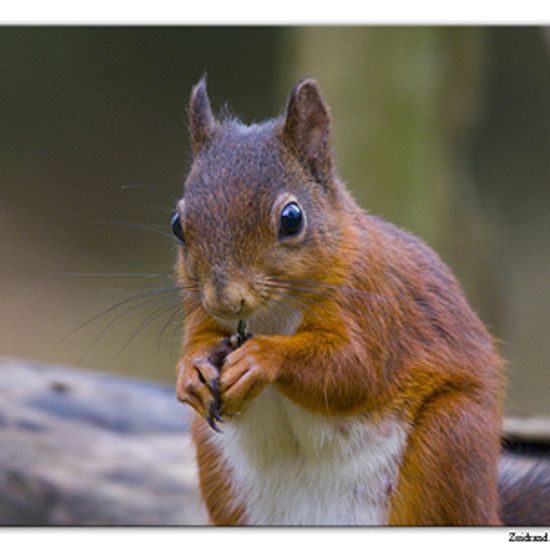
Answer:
(232, 300)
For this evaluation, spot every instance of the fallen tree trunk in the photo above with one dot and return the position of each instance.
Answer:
(84, 448)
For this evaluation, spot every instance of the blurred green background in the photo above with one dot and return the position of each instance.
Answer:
(442, 130)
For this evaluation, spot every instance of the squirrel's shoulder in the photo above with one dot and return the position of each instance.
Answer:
(401, 250)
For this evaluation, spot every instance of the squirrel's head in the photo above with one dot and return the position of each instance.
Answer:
(261, 205)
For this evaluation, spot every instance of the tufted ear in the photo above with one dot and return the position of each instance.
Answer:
(202, 123)
(306, 130)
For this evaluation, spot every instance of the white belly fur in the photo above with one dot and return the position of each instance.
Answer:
(293, 467)
(289, 466)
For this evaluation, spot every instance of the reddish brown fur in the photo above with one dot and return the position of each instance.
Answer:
(392, 331)
(214, 479)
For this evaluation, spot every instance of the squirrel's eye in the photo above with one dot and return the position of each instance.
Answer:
(292, 220)
(176, 228)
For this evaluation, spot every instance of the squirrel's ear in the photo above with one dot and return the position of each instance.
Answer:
(202, 123)
(306, 129)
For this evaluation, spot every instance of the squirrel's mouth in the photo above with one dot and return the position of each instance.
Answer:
(230, 311)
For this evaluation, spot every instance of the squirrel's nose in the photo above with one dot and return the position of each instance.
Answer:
(227, 302)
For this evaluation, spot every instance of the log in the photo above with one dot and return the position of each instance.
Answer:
(83, 448)
(87, 448)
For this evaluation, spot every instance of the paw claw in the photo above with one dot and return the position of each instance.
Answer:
(214, 387)
(212, 423)
(214, 415)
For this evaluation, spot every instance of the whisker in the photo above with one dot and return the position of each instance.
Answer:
(297, 302)
(149, 189)
(268, 302)
(300, 298)
(168, 322)
(115, 319)
(165, 199)
(162, 209)
(153, 284)
(292, 295)
(178, 326)
(144, 324)
(141, 295)
(104, 274)
(305, 300)
(292, 287)
(142, 226)
(312, 284)
(124, 288)
(175, 331)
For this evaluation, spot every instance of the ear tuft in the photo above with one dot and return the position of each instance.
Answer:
(306, 129)
(202, 123)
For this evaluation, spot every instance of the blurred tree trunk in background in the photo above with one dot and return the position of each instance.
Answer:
(405, 103)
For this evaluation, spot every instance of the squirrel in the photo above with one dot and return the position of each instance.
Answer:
(362, 388)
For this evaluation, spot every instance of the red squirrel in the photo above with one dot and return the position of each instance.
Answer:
(368, 392)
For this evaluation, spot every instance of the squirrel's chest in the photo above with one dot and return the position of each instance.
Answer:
(292, 467)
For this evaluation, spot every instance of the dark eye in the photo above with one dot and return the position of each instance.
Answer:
(176, 228)
(292, 220)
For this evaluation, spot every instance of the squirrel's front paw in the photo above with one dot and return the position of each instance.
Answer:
(245, 373)
(198, 386)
